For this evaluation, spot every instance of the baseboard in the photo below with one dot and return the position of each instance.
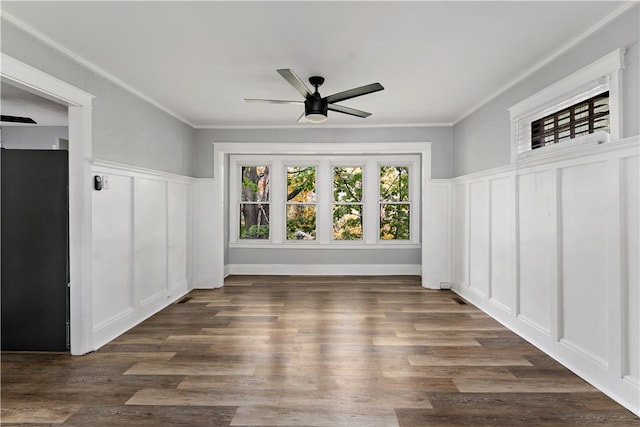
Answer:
(119, 324)
(324, 269)
(621, 390)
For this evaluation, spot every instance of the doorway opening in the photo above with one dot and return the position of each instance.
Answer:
(78, 104)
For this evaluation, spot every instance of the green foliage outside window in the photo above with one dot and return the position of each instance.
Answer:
(254, 211)
(347, 206)
(394, 203)
(301, 199)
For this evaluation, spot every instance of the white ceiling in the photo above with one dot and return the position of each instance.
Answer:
(199, 60)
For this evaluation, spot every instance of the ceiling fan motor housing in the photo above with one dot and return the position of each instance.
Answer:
(315, 105)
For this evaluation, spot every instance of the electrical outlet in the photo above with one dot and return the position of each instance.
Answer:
(445, 285)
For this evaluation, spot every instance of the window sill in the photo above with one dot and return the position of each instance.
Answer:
(561, 149)
(325, 246)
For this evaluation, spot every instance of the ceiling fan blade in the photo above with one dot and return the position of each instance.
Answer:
(303, 118)
(273, 101)
(352, 93)
(16, 119)
(295, 81)
(347, 110)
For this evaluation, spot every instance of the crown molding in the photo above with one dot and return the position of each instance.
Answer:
(87, 64)
(322, 126)
(591, 30)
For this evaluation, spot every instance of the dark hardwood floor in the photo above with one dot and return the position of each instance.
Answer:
(307, 351)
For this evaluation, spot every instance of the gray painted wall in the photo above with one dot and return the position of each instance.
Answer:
(324, 256)
(439, 136)
(126, 128)
(441, 163)
(482, 140)
(33, 137)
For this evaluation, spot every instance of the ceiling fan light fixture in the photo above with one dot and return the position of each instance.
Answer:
(316, 118)
(316, 106)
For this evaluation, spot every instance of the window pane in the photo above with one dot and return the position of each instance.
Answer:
(254, 221)
(255, 184)
(394, 222)
(347, 222)
(601, 106)
(394, 184)
(301, 222)
(301, 184)
(589, 115)
(582, 129)
(564, 134)
(347, 184)
(601, 124)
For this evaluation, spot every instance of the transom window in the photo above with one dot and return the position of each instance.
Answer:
(583, 118)
(581, 110)
(337, 200)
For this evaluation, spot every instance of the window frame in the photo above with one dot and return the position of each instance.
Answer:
(278, 165)
(572, 124)
(236, 199)
(349, 164)
(412, 196)
(296, 164)
(602, 75)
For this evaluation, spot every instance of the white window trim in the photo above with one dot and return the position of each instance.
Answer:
(602, 75)
(414, 197)
(324, 170)
(234, 208)
(298, 163)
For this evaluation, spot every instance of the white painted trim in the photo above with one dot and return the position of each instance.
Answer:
(325, 269)
(605, 369)
(140, 308)
(336, 245)
(116, 326)
(604, 66)
(561, 51)
(604, 74)
(221, 149)
(324, 164)
(90, 65)
(137, 171)
(32, 79)
(327, 126)
(80, 152)
(563, 155)
(204, 241)
(329, 148)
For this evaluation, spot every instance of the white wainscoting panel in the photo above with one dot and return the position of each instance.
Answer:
(537, 248)
(479, 243)
(583, 281)
(460, 236)
(150, 237)
(204, 237)
(178, 203)
(437, 267)
(503, 290)
(112, 251)
(630, 277)
(141, 239)
(552, 251)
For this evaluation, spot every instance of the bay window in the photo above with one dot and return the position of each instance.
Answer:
(311, 201)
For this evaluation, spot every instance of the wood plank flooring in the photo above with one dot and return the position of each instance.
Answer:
(307, 351)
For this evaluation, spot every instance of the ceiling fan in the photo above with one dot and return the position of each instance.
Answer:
(315, 106)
